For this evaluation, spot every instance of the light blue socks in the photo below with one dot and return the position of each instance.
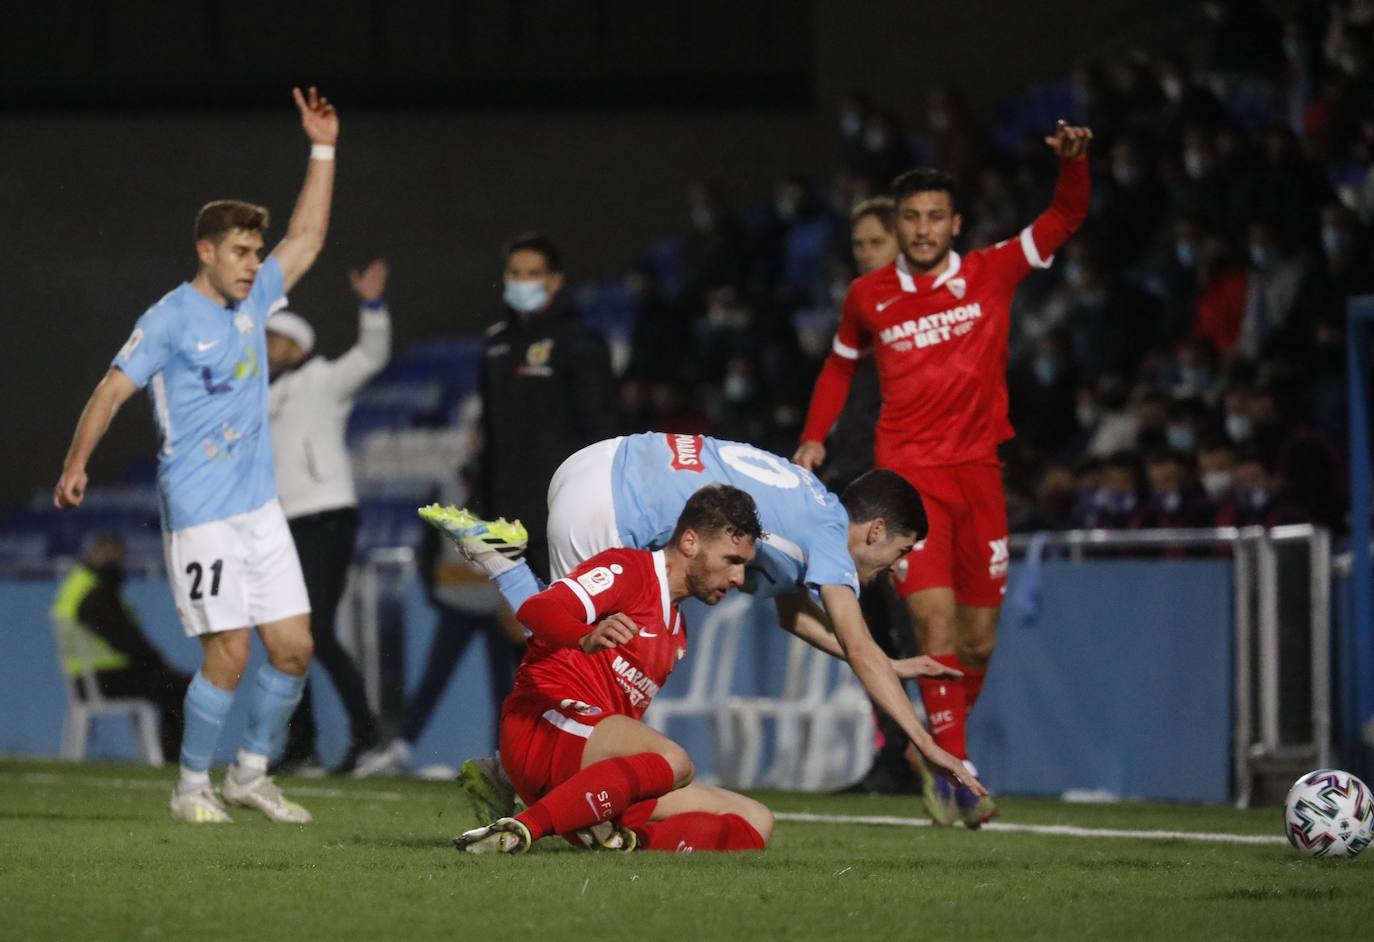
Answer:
(517, 584)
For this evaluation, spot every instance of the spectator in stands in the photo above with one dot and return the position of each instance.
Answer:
(659, 366)
(1134, 202)
(1043, 392)
(1112, 323)
(309, 400)
(1112, 502)
(97, 627)
(1253, 501)
(715, 250)
(1173, 499)
(1104, 414)
(1222, 285)
(1216, 464)
(546, 386)
(1277, 280)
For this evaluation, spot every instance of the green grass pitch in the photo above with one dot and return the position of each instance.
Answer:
(88, 852)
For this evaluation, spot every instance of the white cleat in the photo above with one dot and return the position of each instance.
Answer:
(506, 836)
(391, 759)
(263, 795)
(200, 806)
(608, 836)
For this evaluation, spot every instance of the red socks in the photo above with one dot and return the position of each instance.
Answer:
(973, 685)
(699, 830)
(600, 792)
(946, 707)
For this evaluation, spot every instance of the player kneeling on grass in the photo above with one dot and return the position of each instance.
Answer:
(604, 640)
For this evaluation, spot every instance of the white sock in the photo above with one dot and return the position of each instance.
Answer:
(248, 766)
(191, 780)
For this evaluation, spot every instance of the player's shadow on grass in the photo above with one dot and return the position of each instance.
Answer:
(67, 816)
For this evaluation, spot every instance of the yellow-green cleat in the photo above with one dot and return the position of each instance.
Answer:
(494, 545)
(937, 794)
(489, 794)
(506, 836)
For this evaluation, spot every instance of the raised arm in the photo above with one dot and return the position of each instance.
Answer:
(1069, 206)
(310, 220)
(350, 372)
(112, 392)
(880, 680)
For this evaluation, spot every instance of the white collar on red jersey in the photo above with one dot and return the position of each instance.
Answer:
(908, 281)
(661, 570)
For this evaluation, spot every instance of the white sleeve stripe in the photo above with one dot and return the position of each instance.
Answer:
(581, 593)
(844, 350)
(276, 306)
(1033, 253)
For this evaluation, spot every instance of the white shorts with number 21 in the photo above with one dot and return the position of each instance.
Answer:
(238, 572)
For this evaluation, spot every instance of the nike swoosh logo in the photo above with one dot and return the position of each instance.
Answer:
(596, 810)
(647, 634)
(202, 347)
(884, 305)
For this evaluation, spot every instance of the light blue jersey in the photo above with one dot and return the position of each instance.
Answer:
(206, 369)
(806, 529)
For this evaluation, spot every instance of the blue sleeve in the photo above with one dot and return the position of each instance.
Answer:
(269, 290)
(827, 559)
(150, 346)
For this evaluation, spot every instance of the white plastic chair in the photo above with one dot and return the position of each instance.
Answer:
(715, 647)
(85, 702)
(803, 697)
(823, 722)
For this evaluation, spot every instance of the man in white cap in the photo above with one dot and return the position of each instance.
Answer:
(309, 400)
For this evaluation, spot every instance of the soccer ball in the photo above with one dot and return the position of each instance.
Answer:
(1329, 813)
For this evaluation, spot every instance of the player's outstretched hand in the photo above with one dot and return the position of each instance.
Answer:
(70, 490)
(811, 455)
(923, 666)
(318, 117)
(953, 767)
(1069, 142)
(369, 284)
(615, 629)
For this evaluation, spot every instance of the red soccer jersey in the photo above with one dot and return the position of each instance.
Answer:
(623, 679)
(941, 343)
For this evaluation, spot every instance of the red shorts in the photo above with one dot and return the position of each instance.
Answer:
(966, 549)
(542, 741)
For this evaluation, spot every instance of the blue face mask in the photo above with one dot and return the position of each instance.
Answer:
(1046, 370)
(526, 296)
(1180, 438)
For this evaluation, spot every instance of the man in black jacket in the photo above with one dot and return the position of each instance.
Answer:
(547, 389)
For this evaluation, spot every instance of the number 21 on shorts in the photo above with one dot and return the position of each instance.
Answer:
(197, 573)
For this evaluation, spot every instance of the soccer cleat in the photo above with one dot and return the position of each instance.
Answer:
(200, 806)
(263, 795)
(506, 836)
(490, 544)
(976, 811)
(489, 793)
(392, 758)
(938, 796)
(608, 836)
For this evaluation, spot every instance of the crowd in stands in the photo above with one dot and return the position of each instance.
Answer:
(1182, 363)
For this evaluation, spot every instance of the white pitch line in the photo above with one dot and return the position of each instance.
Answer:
(309, 791)
(1063, 830)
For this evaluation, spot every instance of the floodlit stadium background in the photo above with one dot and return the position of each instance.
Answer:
(1139, 674)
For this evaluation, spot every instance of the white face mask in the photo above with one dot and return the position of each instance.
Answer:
(526, 296)
(1217, 484)
(1238, 427)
